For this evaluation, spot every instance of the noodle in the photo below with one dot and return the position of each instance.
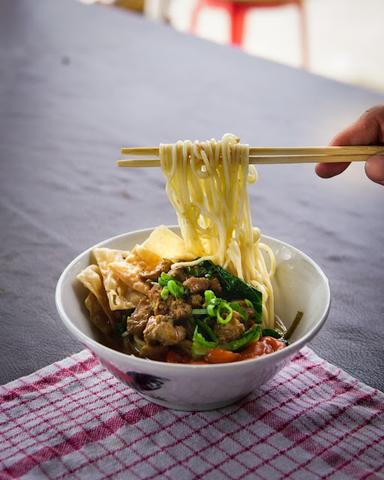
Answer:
(207, 185)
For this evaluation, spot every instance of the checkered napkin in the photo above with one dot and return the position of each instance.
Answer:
(73, 419)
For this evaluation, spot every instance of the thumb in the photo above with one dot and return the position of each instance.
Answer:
(374, 168)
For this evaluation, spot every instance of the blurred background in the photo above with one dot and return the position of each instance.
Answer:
(340, 39)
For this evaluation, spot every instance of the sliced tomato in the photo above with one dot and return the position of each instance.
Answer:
(274, 343)
(174, 357)
(262, 347)
(218, 355)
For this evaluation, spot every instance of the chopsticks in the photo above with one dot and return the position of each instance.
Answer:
(268, 155)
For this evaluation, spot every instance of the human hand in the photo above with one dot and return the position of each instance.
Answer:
(367, 130)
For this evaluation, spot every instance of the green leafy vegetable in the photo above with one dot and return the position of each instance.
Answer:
(232, 286)
(206, 329)
(200, 346)
(270, 332)
(120, 327)
(204, 339)
(246, 338)
(239, 309)
(201, 270)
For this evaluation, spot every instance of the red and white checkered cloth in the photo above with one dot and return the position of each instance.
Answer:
(73, 419)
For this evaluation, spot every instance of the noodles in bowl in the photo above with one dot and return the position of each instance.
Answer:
(204, 296)
(189, 316)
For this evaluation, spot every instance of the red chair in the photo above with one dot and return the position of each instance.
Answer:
(237, 11)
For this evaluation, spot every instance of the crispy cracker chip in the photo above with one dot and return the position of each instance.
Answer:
(120, 295)
(151, 259)
(163, 243)
(129, 271)
(97, 315)
(91, 278)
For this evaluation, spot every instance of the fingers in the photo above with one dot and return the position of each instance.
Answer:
(374, 168)
(328, 170)
(367, 130)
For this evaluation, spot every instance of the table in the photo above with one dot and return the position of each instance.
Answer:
(77, 82)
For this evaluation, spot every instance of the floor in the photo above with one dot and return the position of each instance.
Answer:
(346, 37)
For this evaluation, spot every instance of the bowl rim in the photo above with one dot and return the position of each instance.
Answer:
(280, 354)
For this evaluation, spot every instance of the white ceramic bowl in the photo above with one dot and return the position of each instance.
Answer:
(299, 284)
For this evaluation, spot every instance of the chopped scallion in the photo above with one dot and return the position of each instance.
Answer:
(248, 303)
(209, 295)
(224, 308)
(164, 279)
(164, 293)
(199, 311)
(175, 288)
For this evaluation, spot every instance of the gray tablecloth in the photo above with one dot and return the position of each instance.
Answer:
(78, 82)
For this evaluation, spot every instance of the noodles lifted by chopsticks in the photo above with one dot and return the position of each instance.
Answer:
(206, 183)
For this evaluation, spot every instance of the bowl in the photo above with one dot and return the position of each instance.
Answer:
(299, 285)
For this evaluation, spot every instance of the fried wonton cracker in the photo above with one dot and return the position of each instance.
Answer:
(129, 271)
(91, 278)
(163, 243)
(97, 314)
(120, 295)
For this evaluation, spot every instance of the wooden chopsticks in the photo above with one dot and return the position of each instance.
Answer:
(268, 155)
